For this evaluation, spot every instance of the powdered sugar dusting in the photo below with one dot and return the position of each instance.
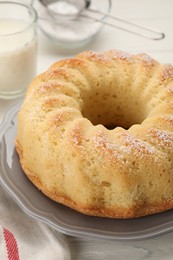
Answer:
(102, 141)
(136, 147)
(75, 135)
(45, 87)
(57, 119)
(103, 144)
(168, 119)
(96, 56)
(146, 60)
(58, 73)
(130, 147)
(167, 73)
(124, 56)
(161, 137)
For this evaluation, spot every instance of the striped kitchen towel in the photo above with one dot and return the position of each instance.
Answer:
(24, 238)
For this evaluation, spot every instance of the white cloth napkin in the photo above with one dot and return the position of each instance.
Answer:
(24, 238)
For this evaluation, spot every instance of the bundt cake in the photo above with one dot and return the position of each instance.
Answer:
(95, 133)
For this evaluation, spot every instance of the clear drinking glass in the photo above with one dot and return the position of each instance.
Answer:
(18, 48)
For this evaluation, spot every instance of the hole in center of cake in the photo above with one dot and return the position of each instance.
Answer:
(113, 109)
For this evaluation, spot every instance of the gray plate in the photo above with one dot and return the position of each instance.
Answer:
(59, 217)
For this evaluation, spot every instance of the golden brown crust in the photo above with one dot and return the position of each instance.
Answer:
(118, 212)
(67, 152)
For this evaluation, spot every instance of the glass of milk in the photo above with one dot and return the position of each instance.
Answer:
(18, 48)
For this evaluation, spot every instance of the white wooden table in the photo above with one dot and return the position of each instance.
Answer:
(157, 14)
